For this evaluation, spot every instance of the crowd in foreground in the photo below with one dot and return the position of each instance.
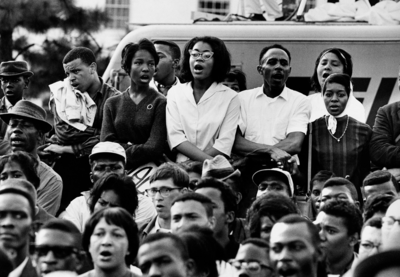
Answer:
(264, 182)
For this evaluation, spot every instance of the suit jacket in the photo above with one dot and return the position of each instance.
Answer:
(385, 141)
(146, 228)
(29, 270)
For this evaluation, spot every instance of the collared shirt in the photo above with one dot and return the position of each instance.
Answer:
(82, 142)
(18, 270)
(157, 228)
(8, 104)
(50, 188)
(164, 89)
(212, 122)
(269, 120)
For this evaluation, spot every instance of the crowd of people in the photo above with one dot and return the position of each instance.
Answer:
(248, 182)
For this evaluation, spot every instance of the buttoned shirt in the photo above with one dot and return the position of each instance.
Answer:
(269, 120)
(212, 122)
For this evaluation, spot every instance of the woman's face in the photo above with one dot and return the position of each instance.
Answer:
(12, 170)
(234, 85)
(108, 246)
(107, 199)
(328, 64)
(142, 68)
(335, 98)
(200, 68)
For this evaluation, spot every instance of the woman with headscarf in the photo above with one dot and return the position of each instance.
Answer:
(340, 142)
(329, 61)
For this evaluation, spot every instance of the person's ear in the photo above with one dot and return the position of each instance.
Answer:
(80, 260)
(320, 254)
(211, 222)
(190, 268)
(184, 190)
(91, 177)
(239, 197)
(353, 240)
(260, 69)
(175, 63)
(357, 204)
(93, 68)
(230, 217)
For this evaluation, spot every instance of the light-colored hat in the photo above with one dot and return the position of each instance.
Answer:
(259, 176)
(108, 147)
(31, 111)
(219, 168)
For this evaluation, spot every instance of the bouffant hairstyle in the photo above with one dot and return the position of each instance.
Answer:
(130, 50)
(119, 217)
(222, 59)
(343, 56)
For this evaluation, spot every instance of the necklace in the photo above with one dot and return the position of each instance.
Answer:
(344, 132)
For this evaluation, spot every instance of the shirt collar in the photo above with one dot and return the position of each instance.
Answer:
(8, 105)
(18, 270)
(284, 93)
(157, 228)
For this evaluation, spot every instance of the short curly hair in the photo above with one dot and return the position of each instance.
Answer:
(377, 203)
(222, 59)
(130, 50)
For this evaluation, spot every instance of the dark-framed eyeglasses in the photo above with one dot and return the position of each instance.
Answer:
(60, 252)
(164, 192)
(204, 55)
(389, 221)
(12, 80)
(251, 266)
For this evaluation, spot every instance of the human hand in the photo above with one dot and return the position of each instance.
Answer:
(224, 269)
(55, 148)
(281, 157)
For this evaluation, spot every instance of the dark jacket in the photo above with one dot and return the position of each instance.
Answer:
(146, 228)
(29, 270)
(385, 141)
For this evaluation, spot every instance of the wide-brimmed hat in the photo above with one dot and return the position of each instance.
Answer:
(14, 68)
(219, 168)
(108, 147)
(259, 176)
(31, 111)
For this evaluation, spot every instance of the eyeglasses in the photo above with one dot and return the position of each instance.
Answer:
(10, 80)
(251, 266)
(205, 55)
(389, 221)
(369, 245)
(164, 192)
(59, 252)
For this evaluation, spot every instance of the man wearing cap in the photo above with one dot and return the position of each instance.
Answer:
(14, 77)
(27, 127)
(274, 179)
(77, 105)
(17, 213)
(107, 157)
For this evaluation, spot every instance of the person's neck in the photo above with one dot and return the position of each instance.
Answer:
(164, 223)
(338, 266)
(94, 87)
(12, 102)
(169, 80)
(272, 92)
(136, 91)
(120, 271)
(21, 255)
(223, 237)
(200, 87)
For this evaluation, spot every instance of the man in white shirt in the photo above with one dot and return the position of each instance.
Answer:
(274, 118)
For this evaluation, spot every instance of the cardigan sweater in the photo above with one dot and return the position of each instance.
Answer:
(140, 129)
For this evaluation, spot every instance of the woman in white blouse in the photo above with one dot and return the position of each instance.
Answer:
(203, 114)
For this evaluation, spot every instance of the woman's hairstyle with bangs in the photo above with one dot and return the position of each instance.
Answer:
(118, 217)
(130, 50)
(343, 56)
(222, 59)
(27, 163)
(338, 78)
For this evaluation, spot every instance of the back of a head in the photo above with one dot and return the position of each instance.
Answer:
(227, 194)
(379, 177)
(193, 196)
(348, 212)
(322, 176)
(175, 241)
(83, 53)
(171, 171)
(66, 227)
(375, 264)
(124, 187)
(377, 204)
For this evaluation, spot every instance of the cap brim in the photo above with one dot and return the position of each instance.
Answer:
(26, 73)
(257, 177)
(43, 125)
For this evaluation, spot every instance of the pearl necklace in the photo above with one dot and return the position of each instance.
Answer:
(344, 132)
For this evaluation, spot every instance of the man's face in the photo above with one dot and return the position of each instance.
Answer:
(275, 68)
(371, 240)
(185, 214)
(15, 221)
(166, 64)
(222, 219)
(292, 251)
(316, 191)
(161, 258)
(163, 203)
(384, 188)
(273, 184)
(266, 226)
(336, 241)
(103, 166)
(23, 135)
(13, 88)
(339, 193)
(250, 253)
(391, 227)
(55, 251)
(80, 74)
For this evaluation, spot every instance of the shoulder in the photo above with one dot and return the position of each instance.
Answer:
(247, 95)
(45, 170)
(110, 90)
(390, 108)
(87, 274)
(296, 94)
(359, 124)
(117, 98)
(179, 89)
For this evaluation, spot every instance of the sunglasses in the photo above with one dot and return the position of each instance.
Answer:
(60, 252)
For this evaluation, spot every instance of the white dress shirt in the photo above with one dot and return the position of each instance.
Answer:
(211, 122)
(268, 120)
